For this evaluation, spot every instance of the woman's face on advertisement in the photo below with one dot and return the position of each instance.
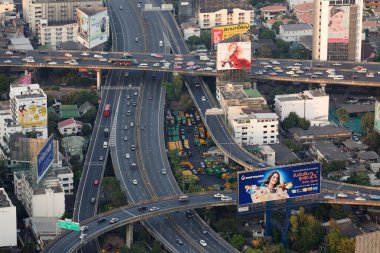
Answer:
(274, 179)
(337, 18)
(233, 47)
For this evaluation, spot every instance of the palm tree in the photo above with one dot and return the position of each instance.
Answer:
(342, 116)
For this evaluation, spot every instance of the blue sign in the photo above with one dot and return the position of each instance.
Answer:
(45, 158)
(279, 183)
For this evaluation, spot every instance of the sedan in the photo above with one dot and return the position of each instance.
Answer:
(152, 209)
(204, 99)
(127, 156)
(142, 208)
(329, 197)
(208, 69)
(52, 63)
(114, 220)
(203, 243)
(84, 54)
(177, 67)
(156, 64)
(179, 241)
(342, 195)
(101, 158)
(7, 61)
(360, 198)
(218, 195)
(134, 181)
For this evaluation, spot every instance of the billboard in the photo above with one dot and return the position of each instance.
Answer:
(83, 24)
(279, 183)
(377, 116)
(45, 158)
(338, 27)
(234, 55)
(220, 33)
(32, 112)
(98, 28)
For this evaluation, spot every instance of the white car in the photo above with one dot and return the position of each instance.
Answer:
(208, 68)
(203, 243)
(134, 181)
(204, 99)
(68, 55)
(7, 61)
(73, 63)
(163, 171)
(82, 236)
(102, 59)
(103, 52)
(84, 54)
(152, 209)
(52, 63)
(30, 61)
(218, 195)
(342, 195)
(8, 53)
(336, 64)
(127, 156)
(360, 198)
(329, 197)
(225, 198)
(297, 64)
(98, 56)
(156, 64)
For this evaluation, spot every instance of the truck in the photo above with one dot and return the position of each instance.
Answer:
(202, 132)
(186, 143)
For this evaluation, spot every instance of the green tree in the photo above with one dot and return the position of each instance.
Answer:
(290, 121)
(265, 33)
(372, 139)
(237, 241)
(343, 116)
(156, 248)
(336, 242)
(305, 232)
(206, 39)
(226, 226)
(276, 26)
(79, 97)
(112, 193)
(359, 178)
(4, 83)
(89, 116)
(53, 119)
(367, 121)
(303, 123)
(137, 247)
(178, 84)
(193, 40)
(291, 145)
(86, 129)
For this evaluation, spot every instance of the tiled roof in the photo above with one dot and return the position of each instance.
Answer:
(274, 8)
(304, 7)
(68, 122)
(307, 18)
(296, 27)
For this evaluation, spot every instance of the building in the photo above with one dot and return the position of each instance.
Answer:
(270, 22)
(44, 229)
(85, 107)
(186, 10)
(55, 33)
(273, 11)
(340, 40)
(371, 25)
(327, 132)
(250, 127)
(53, 11)
(69, 111)
(70, 127)
(28, 105)
(293, 32)
(93, 26)
(312, 105)
(212, 13)
(292, 3)
(304, 12)
(73, 145)
(7, 127)
(8, 232)
(7, 6)
(327, 151)
(190, 29)
(48, 200)
(19, 43)
(368, 242)
(66, 179)
(373, 5)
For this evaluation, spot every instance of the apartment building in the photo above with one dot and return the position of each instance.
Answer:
(312, 105)
(293, 32)
(212, 13)
(55, 33)
(7, 6)
(273, 11)
(8, 231)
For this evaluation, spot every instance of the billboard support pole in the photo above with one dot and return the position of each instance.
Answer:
(284, 234)
(98, 78)
(268, 218)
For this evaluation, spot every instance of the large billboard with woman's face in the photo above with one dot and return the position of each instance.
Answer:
(234, 55)
(279, 183)
(339, 23)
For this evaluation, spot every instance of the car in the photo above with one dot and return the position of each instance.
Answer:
(125, 127)
(133, 147)
(203, 230)
(138, 5)
(52, 63)
(103, 59)
(128, 103)
(225, 198)
(203, 243)
(132, 124)
(290, 72)
(82, 236)
(259, 73)
(125, 138)
(208, 68)
(203, 99)
(83, 228)
(150, 97)
(7, 61)
(156, 64)
(68, 55)
(300, 72)
(30, 61)
(203, 165)
(177, 67)
(133, 166)
(8, 53)
(218, 195)
(273, 74)
(129, 113)
(142, 208)
(360, 198)
(318, 73)
(336, 64)
(101, 220)
(370, 75)
(342, 195)
(134, 103)
(179, 241)
(353, 76)
(101, 158)
(135, 93)
(114, 220)
(163, 171)
(84, 54)
(279, 71)
(96, 182)
(264, 63)
(297, 64)
(261, 165)
(328, 197)
(374, 197)
(142, 127)
(190, 63)
(134, 181)
(158, 56)
(128, 96)
(153, 208)
(98, 56)
(126, 74)
(294, 75)
(127, 156)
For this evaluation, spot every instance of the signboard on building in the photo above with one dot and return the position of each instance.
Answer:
(32, 111)
(83, 24)
(377, 116)
(279, 183)
(45, 158)
(68, 225)
(220, 33)
(235, 55)
(98, 28)
(339, 23)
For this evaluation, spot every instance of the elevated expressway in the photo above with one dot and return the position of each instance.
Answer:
(70, 242)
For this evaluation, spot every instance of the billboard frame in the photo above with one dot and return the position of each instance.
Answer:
(45, 158)
(294, 189)
(233, 55)
(221, 33)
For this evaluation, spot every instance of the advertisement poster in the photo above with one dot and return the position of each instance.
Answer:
(279, 183)
(377, 116)
(338, 27)
(220, 33)
(83, 26)
(45, 158)
(234, 55)
(99, 28)
(33, 113)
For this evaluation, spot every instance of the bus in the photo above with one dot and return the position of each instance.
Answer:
(107, 110)
(120, 62)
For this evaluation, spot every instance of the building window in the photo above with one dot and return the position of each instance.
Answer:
(265, 137)
(265, 126)
(265, 132)
(244, 139)
(272, 126)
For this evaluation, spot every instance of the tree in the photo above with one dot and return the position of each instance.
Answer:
(342, 116)
(79, 97)
(89, 116)
(290, 121)
(276, 26)
(265, 33)
(86, 129)
(178, 84)
(336, 242)
(156, 248)
(367, 121)
(305, 232)
(303, 123)
(237, 241)
(53, 119)
(206, 39)
(226, 226)
(193, 40)
(4, 83)
(359, 178)
(373, 140)
(113, 193)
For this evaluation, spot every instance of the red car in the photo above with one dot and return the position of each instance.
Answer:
(96, 182)
(177, 67)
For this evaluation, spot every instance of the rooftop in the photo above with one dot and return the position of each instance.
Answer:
(283, 154)
(321, 131)
(345, 226)
(358, 108)
(186, 25)
(68, 122)
(274, 8)
(62, 170)
(206, 6)
(69, 111)
(304, 7)
(353, 145)
(252, 93)
(45, 225)
(368, 155)
(296, 27)
(307, 18)
(329, 151)
(273, 20)
(92, 10)
(4, 199)
(369, 23)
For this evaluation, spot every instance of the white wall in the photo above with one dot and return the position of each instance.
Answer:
(8, 227)
(50, 204)
(209, 20)
(294, 36)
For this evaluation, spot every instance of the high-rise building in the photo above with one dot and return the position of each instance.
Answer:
(8, 231)
(337, 30)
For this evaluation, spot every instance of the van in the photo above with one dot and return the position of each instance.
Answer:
(143, 65)
(161, 43)
(203, 58)
(184, 198)
(105, 144)
(106, 132)
(93, 200)
(338, 77)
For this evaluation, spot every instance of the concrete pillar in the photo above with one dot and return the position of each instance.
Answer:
(26, 72)
(98, 78)
(323, 86)
(226, 159)
(310, 86)
(129, 236)
(254, 84)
